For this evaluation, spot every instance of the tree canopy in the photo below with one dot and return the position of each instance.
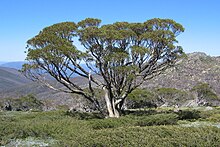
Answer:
(119, 56)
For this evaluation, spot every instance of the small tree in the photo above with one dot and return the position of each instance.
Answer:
(119, 56)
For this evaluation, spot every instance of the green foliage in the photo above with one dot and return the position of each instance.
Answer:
(144, 118)
(119, 53)
(158, 119)
(211, 115)
(214, 118)
(141, 112)
(88, 22)
(110, 123)
(83, 115)
(24, 103)
(69, 131)
(140, 98)
(189, 114)
(170, 92)
(205, 91)
(141, 94)
(31, 102)
(172, 96)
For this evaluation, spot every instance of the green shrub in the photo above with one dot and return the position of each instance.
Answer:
(141, 98)
(69, 131)
(172, 96)
(145, 112)
(211, 115)
(25, 103)
(83, 115)
(188, 114)
(206, 114)
(214, 118)
(134, 120)
(158, 119)
(154, 136)
(205, 91)
(105, 123)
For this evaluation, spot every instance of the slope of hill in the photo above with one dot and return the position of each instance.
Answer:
(196, 68)
(10, 78)
(48, 96)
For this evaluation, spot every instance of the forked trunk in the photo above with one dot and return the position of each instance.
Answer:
(110, 104)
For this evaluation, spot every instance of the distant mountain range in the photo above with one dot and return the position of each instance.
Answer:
(2, 62)
(15, 65)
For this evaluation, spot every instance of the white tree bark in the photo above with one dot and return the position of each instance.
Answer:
(110, 104)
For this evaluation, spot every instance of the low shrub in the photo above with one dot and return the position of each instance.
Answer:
(214, 118)
(132, 121)
(105, 123)
(83, 115)
(158, 119)
(145, 112)
(188, 114)
(25, 103)
(154, 136)
(69, 131)
(211, 115)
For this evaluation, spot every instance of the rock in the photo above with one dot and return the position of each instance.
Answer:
(164, 105)
(176, 108)
(208, 108)
(8, 106)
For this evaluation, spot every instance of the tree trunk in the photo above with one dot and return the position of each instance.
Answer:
(110, 104)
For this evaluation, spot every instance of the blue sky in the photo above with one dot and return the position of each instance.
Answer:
(23, 19)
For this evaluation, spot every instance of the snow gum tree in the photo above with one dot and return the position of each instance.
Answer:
(116, 58)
